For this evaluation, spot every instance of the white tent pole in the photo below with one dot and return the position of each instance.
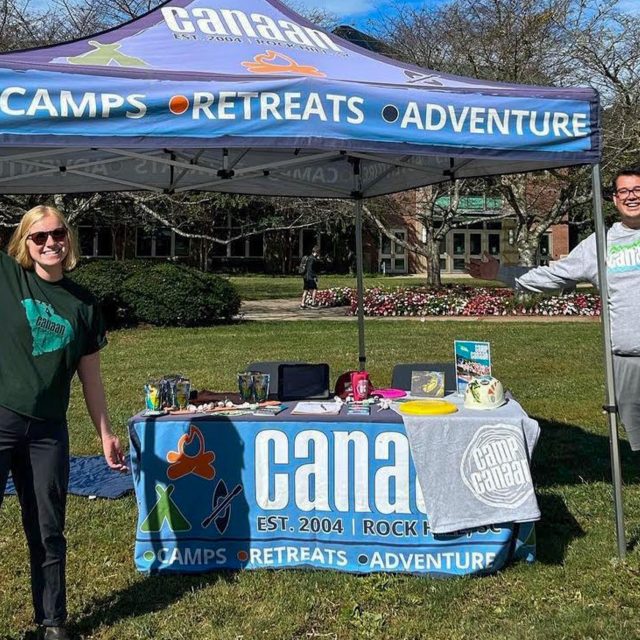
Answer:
(610, 407)
(357, 196)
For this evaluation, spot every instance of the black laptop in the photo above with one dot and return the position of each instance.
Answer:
(303, 382)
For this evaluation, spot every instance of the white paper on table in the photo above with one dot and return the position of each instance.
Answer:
(316, 409)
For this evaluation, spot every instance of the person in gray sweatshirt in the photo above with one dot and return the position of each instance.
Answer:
(623, 278)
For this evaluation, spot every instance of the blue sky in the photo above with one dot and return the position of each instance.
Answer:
(360, 12)
(354, 12)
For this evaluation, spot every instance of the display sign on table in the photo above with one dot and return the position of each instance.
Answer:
(473, 359)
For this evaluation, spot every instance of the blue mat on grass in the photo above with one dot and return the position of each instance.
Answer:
(90, 476)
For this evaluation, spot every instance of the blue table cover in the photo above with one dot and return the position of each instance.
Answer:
(334, 493)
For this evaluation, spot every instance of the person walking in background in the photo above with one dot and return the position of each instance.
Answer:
(623, 278)
(51, 329)
(352, 262)
(309, 278)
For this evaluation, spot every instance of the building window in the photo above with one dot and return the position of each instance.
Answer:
(237, 248)
(309, 240)
(256, 246)
(181, 245)
(160, 243)
(494, 244)
(544, 250)
(162, 239)
(393, 256)
(144, 243)
(85, 240)
(95, 242)
(251, 247)
(218, 250)
(244, 247)
(475, 244)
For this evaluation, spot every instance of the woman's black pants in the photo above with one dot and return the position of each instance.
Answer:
(37, 454)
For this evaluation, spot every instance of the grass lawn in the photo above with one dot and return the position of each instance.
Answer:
(263, 287)
(577, 590)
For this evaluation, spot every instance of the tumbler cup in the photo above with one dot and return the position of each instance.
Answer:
(245, 386)
(153, 395)
(183, 391)
(169, 390)
(261, 386)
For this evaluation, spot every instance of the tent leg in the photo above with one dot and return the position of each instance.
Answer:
(616, 471)
(357, 196)
(362, 358)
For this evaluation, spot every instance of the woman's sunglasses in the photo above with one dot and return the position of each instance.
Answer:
(40, 237)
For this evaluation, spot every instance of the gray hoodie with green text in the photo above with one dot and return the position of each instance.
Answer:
(623, 279)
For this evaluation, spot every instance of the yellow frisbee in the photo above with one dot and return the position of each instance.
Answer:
(427, 407)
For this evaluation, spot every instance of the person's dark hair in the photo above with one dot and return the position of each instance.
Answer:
(316, 249)
(628, 171)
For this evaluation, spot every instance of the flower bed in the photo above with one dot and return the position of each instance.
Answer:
(337, 297)
(460, 300)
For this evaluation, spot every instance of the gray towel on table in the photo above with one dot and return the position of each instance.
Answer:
(473, 466)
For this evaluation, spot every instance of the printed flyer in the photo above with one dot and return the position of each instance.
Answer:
(473, 359)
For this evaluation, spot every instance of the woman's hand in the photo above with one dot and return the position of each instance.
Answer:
(485, 268)
(93, 389)
(113, 453)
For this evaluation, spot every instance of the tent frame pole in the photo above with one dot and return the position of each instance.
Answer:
(357, 197)
(610, 406)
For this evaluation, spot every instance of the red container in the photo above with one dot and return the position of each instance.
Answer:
(360, 385)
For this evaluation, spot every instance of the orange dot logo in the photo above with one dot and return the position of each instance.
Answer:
(243, 556)
(178, 105)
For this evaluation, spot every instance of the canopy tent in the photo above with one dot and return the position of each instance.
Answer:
(193, 91)
(256, 99)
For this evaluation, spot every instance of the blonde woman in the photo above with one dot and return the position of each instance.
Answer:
(51, 329)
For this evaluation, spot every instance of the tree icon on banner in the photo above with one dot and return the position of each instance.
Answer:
(104, 55)
(165, 510)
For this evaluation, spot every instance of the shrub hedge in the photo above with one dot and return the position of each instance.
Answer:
(158, 293)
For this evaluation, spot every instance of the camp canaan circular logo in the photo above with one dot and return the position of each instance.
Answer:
(495, 467)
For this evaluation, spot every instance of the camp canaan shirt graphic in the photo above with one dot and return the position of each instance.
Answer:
(50, 332)
(46, 328)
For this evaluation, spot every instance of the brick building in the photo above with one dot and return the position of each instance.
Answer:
(281, 252)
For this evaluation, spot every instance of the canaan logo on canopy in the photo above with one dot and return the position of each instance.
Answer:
(233, 22)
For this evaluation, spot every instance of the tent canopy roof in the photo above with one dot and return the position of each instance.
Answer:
(250, 97)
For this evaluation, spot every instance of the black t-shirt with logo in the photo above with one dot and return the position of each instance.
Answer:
(45, 328)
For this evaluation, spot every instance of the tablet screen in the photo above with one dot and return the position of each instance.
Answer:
(303, 381)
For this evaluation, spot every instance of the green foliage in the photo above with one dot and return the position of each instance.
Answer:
(104, 278)
(158, 293)
(167, 294)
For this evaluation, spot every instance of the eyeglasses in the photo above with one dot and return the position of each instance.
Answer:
(40, 237)
(625, 193)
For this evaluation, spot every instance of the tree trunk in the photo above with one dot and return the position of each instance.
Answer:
(434, 278)
(528, 250)
(204, 252)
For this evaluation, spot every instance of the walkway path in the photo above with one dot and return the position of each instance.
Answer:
(289, 309)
